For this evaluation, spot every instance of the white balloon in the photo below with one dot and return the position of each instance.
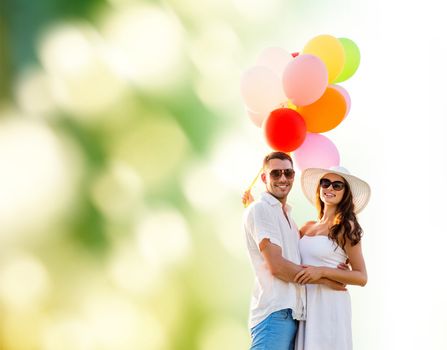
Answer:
(274, 58)
(256, 118)
(262, 90)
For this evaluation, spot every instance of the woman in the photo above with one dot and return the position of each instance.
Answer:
(334, 238)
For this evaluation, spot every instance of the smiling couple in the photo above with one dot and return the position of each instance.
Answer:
(300, 300)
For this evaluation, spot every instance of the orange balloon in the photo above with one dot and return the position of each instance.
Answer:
(326, 113)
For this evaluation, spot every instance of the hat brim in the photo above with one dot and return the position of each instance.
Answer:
(310, 179)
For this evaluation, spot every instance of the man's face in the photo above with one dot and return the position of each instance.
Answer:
(280, 186)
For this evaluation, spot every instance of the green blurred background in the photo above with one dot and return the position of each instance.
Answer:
(124, 149)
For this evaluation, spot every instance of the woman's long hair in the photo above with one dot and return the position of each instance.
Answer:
(345, 224)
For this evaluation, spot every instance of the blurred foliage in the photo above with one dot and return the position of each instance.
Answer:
(22, 21)
(106, 251)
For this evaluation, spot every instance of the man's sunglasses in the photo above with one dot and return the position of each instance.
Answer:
(336, 185)
(276, 174)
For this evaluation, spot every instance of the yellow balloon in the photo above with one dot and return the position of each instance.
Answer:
(329, 49)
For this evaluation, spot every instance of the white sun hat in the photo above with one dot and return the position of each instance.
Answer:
(310, 178)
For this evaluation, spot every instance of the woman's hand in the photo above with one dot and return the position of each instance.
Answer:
(309, 274)
(247, 198)
(344, 266)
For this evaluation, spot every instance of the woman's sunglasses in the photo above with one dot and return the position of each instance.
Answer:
(336, 185)
(276, 174)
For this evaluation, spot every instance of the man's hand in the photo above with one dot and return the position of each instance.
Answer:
(309, 274)
(344, 266)
(247, 198)
(333, 284)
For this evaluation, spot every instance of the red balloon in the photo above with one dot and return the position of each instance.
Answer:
(284, 129)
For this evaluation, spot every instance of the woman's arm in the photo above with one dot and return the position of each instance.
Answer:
(357, 276)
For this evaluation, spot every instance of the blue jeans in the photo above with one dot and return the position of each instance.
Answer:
(276, 332)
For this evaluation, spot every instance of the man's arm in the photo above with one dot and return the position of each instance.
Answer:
(279, 267)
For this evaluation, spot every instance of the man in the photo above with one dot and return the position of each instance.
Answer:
(272, 241)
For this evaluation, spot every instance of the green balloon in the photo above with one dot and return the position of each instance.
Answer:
(352, 59)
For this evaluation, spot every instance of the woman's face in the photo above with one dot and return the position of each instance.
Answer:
(328, 194)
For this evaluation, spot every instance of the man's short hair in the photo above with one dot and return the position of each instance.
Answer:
(276, 155)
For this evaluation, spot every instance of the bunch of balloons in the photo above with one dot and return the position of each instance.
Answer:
(293, 97)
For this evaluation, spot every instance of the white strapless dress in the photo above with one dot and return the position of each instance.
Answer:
(328, 322)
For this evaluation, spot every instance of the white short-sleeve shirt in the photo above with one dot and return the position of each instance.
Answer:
(265, 219)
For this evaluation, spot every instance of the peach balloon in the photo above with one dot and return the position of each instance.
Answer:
(305, 79)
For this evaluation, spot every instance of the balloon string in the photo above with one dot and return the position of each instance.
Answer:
(254, 180)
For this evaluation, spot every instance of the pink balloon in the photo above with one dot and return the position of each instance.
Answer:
(261, 90)
(345, 94)
(317, 151)
(256, 118)
(274, 58)
(305, 79)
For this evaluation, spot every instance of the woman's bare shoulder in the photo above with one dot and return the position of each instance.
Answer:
(309, 223)
(305, 228)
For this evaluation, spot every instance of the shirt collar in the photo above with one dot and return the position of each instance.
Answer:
(270, 199)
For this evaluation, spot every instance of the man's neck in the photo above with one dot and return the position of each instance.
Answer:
(283, 201)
